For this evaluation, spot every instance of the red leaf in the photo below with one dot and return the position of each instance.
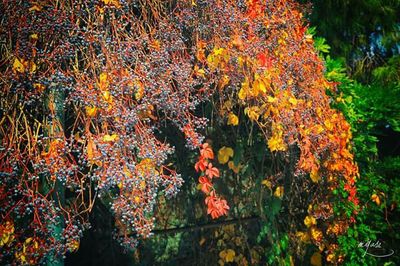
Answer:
(212, 171)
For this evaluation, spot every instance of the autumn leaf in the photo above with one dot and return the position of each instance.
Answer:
(258, 86)
(199, 72)
(244, 90)
(205, 184)
(267, 183)
(146, 166)
(18, 65)
(73, 245)
(92, 152)
(271, 99)
(276, 143)
(7, 233)
(39, 87)
(212, 171)
(233, 119)
(200, 165)
(216, 206)
(223, 81)
(110, 138)
(91, 111)
(127, 172)
(375, 198)
(242, 94)
(114, 3)
(217, 58)
(227, 255)
(278, 192)
(310, 221)
(107, 96)
(293, 101)
(316, 259)
(32, 67)
(316, 234)
(34, 36)
(103, 81)
(139, 90)
(224, 154)
(233, 167)
(314, 176)
(206, 151)
(252, 112)
(35, 7)
(303, 236)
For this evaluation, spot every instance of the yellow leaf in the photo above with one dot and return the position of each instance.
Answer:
(252, 112)
(233, 167)
(276, 143)
(330, 257)
(310, 208)
(266, 183)
(110, 138)
(224, 154)
(328, 124)
(241, 61)
(233, 119)
(35, 8)
(127, 172)
(314, 176)
(278, 192)
(222, 254)
(155, 44)
(73, 245)
(259, 86)
(140, 90)
(91, 111)
(115, 3)
(107, 96)
(92, 152)
(271, 99)
(32, 67)
(230, 255)
(310, 221)
(293, 101)
(146, 166)
(202, 241)
(223, 81)
(103, 83)
(242, 94)
(39, 87)
(4, 239)
(217, 58)
(316, 259)
(199, 72)
(34, 36)
(316, 234)
(375, 198)
(18, 65)
(303, 236)
(228, 105)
